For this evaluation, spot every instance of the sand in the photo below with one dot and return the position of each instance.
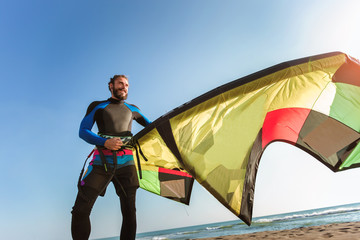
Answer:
(336, 231)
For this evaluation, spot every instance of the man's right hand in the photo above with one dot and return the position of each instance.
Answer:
(113, 144)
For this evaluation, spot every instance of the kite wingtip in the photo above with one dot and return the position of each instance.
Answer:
(245, 219)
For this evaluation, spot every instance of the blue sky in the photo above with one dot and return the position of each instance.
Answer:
(57, 56)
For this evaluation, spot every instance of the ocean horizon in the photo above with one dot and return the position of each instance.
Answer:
(307, 218)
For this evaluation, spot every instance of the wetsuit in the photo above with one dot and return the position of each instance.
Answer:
(114, 119)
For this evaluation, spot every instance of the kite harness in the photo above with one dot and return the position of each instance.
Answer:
(128, 143)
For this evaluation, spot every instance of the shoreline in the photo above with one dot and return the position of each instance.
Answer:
(333, 231)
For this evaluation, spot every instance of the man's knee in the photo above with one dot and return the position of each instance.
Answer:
(81, 210)
(84, 202)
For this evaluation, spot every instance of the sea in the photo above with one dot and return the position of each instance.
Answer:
(315, 217)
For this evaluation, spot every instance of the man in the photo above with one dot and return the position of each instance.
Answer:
(111, 162)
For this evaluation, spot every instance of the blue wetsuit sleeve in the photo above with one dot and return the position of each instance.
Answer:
(147, 121)
(139, 117)
(86, 125)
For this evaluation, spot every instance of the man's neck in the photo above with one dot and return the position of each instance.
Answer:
(116, 99)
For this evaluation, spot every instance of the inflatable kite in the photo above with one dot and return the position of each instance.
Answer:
(218, 138)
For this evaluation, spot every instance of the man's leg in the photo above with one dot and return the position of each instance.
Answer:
(128, 210)
(80, 222)
(126, 183)
(94, 183)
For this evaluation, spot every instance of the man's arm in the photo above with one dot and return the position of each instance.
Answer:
(138, 116)
(87, 123)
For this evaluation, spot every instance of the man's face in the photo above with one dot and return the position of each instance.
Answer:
(119, 89)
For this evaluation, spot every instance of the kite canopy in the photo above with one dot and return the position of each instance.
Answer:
(219, 137)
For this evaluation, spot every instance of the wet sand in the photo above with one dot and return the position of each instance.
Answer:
(336, 231)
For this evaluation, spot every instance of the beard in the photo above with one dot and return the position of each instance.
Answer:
(120, 95)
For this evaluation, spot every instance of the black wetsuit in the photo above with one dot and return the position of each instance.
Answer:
(113, 118)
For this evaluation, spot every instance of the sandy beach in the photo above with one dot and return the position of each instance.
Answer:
(336, 231)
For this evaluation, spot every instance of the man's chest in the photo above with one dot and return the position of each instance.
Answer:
(115, 114)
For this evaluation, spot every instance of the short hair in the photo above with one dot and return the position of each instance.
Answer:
(112, 80)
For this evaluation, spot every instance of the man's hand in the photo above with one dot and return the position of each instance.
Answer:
(113, 143)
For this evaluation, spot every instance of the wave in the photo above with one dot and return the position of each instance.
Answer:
(307, 214)
(159, 238)
(220, 227)
(212, 228)
(188, 232)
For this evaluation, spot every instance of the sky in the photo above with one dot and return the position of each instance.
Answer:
(56, 57)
